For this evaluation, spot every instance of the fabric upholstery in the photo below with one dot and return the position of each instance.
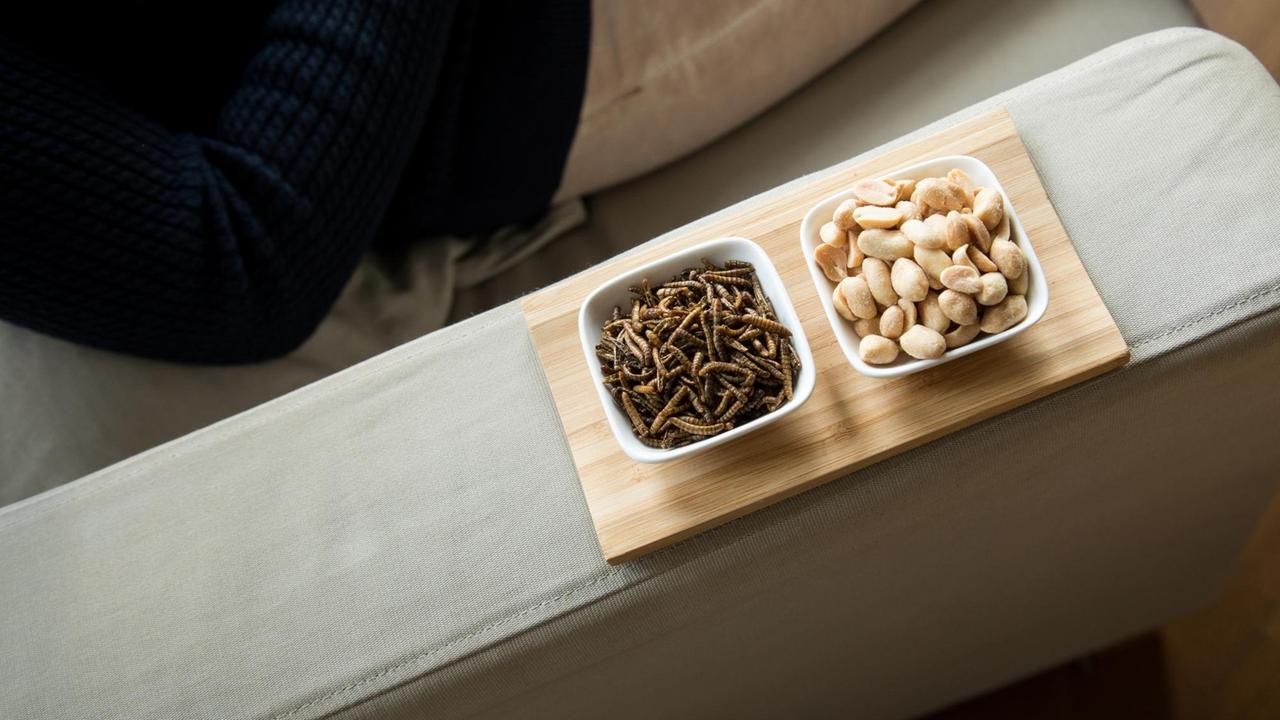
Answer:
(407, 538)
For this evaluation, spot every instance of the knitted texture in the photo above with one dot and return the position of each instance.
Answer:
(223, 230)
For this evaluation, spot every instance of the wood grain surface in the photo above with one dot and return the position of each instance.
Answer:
(850, 421)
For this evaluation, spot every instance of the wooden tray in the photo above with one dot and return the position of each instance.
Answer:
(851, 421)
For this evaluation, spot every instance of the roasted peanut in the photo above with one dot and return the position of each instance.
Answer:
(833, 235)
(961, 278)
(923, 343)
(1009, 258)
(1018, 285)
(981, 261)
(863, 327)
(988, 205)
(875, 192)
(842, 307)
(957, 231)
(1002, 230)
(958, 307)
(892, 322)
(858, 296)
(908, 313)
(1005, 315)
(933, 262)
(905, 187)
(855, 255)
(978, 234)
(888, 245)
(877, 350)
(943, 194)
(931, 315)
(843, 216)
(874, 216)
(909, 210)
(994, 289)
(961, 178)
(926, 234)
(929, 264)
(962, 335)
(831, 260)
(909, 280)
(876, 272)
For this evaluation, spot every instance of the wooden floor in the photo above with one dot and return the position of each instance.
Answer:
(1223, 662)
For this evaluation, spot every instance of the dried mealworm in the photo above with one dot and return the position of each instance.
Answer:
(705, 342)
(764, 323)
(693, 427)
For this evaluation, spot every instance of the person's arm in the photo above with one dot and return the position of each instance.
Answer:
(231, 247)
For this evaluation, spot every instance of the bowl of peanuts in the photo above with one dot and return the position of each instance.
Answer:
(924, 265)
(695, 349)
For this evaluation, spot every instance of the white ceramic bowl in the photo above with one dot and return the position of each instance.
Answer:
(1037, 288)
(598, 307)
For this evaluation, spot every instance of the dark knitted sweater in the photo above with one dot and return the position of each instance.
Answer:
(197, 181)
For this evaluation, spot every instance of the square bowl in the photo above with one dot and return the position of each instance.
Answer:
(1037, 289)
(598, 307)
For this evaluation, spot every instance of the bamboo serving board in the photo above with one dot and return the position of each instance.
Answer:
(851, 421)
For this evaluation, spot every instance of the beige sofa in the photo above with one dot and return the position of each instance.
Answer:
(361, 549)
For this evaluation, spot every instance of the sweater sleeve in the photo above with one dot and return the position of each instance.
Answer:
(226, 246)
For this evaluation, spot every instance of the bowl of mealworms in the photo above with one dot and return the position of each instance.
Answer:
(923, 265)
(695, 350)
